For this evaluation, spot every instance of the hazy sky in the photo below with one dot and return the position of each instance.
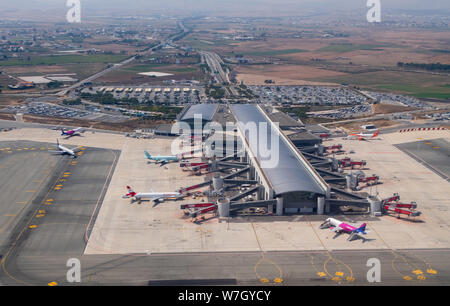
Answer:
(225, 7)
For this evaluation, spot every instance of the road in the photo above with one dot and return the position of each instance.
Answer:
(119, 65)
(215, 64)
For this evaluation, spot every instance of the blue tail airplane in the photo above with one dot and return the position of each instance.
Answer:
(161, 159)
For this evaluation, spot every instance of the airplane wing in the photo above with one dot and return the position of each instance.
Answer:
(56, 152)
(156, 200)
(353, 236)
(337, 235)
(76, 150)
(163, 162)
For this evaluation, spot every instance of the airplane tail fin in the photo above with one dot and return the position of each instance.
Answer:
(147, 154)
(376, 133)
(362, 228)
(130, 193)
(62, 132)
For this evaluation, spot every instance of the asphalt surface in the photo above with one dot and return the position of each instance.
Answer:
(57, 218)
(54, 226)
(434, 154)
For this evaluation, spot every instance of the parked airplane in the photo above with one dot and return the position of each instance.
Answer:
(339, 227)
(71, 133)
(362, 136)
(62, 150)
(161, 159)
(152, 196)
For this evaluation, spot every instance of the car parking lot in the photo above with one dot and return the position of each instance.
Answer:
(313, 95)
(54, 110)
(398, 99)
(342, 113)
(48, 109)
(177, 95)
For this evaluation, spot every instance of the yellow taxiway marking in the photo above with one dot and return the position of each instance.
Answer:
(431, 271)
(417, 272)
(321, 274)
(339, 273)
(421, 277)
(51, 284)
(33, 226)
(31, 191)
(278, 280)
(407, 277)
(41, 211)
(350, 279)
(22, 202)
(10, 215)
(436, 147)
(67, 173)
(40, 215)
(50, 200)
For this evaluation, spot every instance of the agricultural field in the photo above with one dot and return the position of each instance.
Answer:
(63, 59)
(420, 85)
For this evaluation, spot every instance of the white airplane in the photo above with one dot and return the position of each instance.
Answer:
(362, 136)
(62, 150)
(152, 196)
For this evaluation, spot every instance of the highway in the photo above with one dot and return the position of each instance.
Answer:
(214, 61)
(121, 64)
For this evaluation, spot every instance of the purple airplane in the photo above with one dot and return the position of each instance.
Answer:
(71, 133)
(339, 227)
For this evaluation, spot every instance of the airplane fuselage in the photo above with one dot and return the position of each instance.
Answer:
(344, 226)
(157, 195)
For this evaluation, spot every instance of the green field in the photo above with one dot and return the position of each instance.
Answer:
(63, 59)
(165, 67)
(434, 92)
(272, 53)
(420, 85)
(351, 47)
(145, 68)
